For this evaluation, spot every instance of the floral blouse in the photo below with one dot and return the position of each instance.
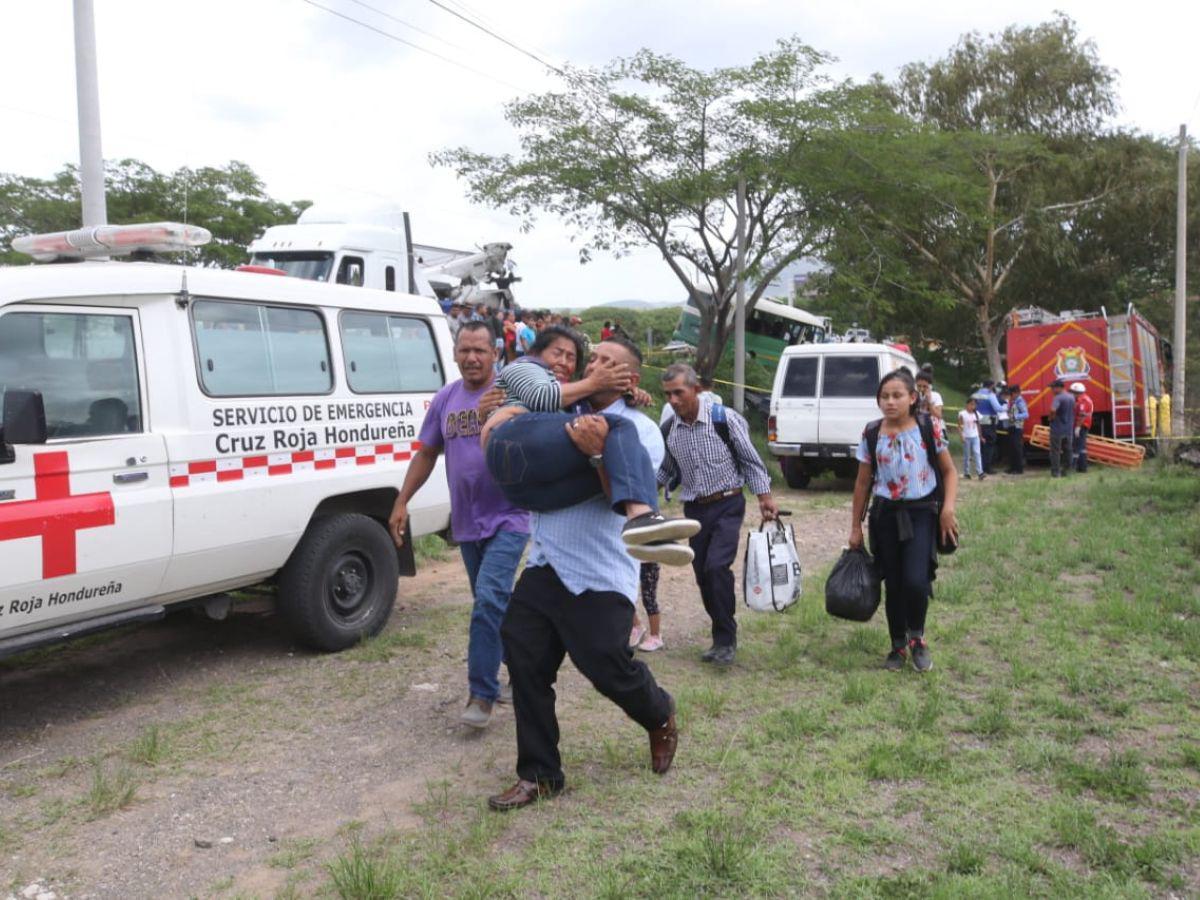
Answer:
(903, 471)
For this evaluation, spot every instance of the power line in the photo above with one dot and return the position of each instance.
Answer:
(491, 23)
(502, 40)
(388, 15)
(387, 34)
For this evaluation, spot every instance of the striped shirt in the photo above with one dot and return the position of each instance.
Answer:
(701, 460)
(582, 543)
(528, 382)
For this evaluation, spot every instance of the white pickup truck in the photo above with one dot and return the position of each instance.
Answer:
(822, 398)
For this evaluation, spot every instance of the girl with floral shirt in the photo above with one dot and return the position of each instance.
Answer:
(905, 520)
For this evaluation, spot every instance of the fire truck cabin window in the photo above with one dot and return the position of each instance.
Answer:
(84, 364)
(800, 379)
(389, 354)
(850, 376)
(249, 350)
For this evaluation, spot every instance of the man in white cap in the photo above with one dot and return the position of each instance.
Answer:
(1084, 407)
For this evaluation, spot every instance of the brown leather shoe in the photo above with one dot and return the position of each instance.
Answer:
(663, 741)
(522, 794)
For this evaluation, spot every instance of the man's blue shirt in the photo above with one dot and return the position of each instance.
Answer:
(582, 543)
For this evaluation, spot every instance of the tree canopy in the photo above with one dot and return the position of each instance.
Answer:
(970, 168)
(230, 201)
(648, 151)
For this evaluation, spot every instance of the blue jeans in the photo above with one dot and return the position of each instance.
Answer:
(492, 569)
(971, 450)
(538, 468)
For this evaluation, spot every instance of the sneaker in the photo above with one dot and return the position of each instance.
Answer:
(710, 654)
(653, 527)
(477, 714)
(921, 659)
(895, 660)
(636, 635)
(966, 476)
(650, 643)
(505, 693)
(982, 476)
(667, 553)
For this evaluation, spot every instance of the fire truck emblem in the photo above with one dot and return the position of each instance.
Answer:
(1071, 362)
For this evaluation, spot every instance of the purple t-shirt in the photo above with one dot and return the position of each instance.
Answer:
(477, 507)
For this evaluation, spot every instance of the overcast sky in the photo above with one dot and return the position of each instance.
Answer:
(327, 110)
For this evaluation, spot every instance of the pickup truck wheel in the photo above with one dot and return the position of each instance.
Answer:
(794, 473)
(339, 585)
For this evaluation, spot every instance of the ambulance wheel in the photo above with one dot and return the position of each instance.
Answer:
(794, 473)
(339, 585)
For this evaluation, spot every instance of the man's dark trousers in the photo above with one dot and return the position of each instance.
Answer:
(715, 546)
(545, 621)
(1016, 450)
(988, 435)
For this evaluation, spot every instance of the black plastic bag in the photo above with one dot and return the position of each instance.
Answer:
(852, 589)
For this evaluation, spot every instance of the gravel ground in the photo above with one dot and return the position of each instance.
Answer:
(194, 758)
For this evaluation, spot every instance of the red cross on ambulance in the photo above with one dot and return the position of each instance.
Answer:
(55, 515)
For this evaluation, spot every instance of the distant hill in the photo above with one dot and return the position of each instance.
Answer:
(639, 304)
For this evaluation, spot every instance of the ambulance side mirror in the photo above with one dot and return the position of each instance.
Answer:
(24, 421)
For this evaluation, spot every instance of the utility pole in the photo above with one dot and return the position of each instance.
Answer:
(1179, 338)
(87, 94)
(739, 315)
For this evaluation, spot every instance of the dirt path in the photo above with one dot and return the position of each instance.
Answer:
(192, 758)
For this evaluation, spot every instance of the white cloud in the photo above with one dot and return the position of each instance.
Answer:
(329, 111)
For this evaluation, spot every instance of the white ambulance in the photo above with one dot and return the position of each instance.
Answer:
(175, 433)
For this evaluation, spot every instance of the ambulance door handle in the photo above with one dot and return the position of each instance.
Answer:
(130, 477)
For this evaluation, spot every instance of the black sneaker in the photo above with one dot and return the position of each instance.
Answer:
(724, 656)
(966, 476)
(652, 527)
(895, 660)
(921, 659)
(710, 654)
(983, 476)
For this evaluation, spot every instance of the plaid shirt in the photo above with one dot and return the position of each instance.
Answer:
(698, 455)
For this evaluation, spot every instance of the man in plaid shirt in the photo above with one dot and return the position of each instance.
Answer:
(711, 475)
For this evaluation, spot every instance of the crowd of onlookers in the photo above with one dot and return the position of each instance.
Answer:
(515, 330)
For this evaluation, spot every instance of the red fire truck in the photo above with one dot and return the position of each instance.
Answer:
(1119, 358)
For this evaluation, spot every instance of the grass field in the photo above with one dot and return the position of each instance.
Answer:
(1053, 751)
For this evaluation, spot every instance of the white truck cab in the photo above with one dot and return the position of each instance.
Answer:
(375, 249)
(172, 433)
(822, 399)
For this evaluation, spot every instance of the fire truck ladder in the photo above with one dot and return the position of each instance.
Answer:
(1121, 378)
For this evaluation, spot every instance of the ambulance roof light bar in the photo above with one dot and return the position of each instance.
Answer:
(112, 240)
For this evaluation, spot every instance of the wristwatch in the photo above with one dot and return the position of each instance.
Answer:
(596, 461)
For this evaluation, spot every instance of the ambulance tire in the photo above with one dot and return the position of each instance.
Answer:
(339, 585)
(794, 473)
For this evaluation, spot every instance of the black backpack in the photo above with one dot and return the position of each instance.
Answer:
(720, 425)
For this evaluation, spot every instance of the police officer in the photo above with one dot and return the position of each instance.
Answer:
(987, 404)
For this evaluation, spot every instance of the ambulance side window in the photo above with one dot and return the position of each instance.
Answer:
(250, 350)
(389, 354)
(84, 364)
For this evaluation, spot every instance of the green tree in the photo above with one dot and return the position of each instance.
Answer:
(647, 152)
(968, 166)
(231, 202)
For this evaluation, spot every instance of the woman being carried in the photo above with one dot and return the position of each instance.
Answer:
(534, 461)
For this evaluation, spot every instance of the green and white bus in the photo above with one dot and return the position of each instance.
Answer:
(770, 327)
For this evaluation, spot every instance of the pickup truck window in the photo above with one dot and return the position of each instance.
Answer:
(252, 350)
(84, 364)
(850, 376)
(388, 354)
(800, 379)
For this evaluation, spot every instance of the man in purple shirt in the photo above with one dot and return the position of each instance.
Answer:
(491, 532)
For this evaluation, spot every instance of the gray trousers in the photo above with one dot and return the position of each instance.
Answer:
(1060, 453)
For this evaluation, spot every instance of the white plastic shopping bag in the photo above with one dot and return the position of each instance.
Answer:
(771, 573)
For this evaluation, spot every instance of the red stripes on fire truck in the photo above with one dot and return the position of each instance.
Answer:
(267, 465)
